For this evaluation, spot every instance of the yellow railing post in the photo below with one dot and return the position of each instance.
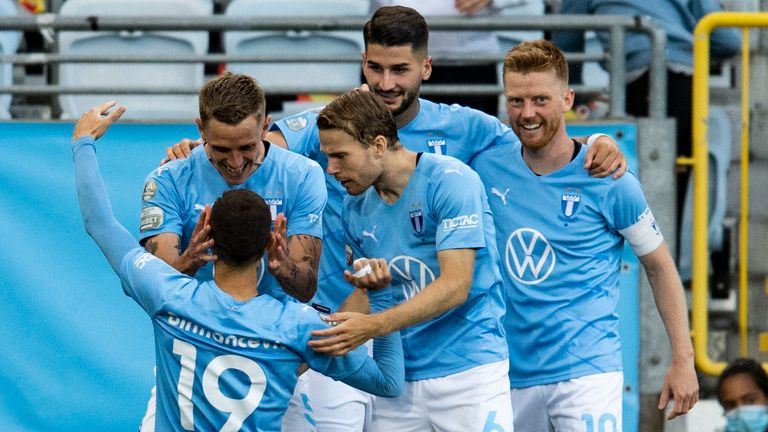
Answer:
(700, 162)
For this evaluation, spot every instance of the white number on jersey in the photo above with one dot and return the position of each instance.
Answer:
(239, 409)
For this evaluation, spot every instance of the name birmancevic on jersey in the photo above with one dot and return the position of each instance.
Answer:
(222, 339)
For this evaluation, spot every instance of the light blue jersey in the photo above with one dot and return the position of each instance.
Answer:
(223, 364)
(175, 194)
(213, 352)
(437, 128)
(560, 237)
(442, 207)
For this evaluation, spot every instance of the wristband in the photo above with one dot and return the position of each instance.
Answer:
(592, 138)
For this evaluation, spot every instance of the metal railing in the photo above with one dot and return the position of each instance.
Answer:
(615, 25)
(700, 162)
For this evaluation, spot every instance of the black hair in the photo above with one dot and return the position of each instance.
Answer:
(240, 227)
(393, 26)
(744, 366)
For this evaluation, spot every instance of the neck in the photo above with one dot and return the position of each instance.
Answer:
(409, 114)
(398, 167)
(238, 282)
(551, 157)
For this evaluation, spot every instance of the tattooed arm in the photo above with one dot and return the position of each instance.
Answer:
(293, 261)
(167, 247)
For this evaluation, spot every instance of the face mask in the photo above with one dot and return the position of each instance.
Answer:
(747, 418)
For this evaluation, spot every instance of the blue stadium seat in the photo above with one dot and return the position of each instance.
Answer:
(297, 43)
(9, 43)
(719, 138)
(134, 43)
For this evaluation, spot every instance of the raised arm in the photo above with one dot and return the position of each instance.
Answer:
(603, 157)
(293, 261)
(680, 381)
(449, 290)
(100, 223)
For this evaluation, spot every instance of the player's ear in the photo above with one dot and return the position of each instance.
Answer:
(199, 124)
(380, 145)
(265, 127)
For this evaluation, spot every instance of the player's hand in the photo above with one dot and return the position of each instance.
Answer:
(352, 329)
(196, 255)
(470, 7)
(370, 273)
(97, 120)
(604, 158)
(363, 87)
(681, 384)
(277, 249)
(180, 150)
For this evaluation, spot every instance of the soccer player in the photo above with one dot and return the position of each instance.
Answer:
(560, 233)
(227, 356)
(233, 124)
(234, 155)
(427, 216)
(395, 63)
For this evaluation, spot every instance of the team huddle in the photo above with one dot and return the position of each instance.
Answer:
(487, 311)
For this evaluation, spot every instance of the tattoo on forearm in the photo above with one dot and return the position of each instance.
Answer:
(301, 280)
(178, 246)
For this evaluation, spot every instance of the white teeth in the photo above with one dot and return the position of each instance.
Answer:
(531, 126)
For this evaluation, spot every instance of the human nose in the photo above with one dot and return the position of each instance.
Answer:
(528, 110)
(235, 159)
(387, 81)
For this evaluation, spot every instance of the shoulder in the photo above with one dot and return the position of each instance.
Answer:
(293, 161)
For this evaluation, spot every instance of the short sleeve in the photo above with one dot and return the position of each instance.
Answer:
(160, 205)
(627, 212)
(300, 132)
(456, 196)
(311, 197)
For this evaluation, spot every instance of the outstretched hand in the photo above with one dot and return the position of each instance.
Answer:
(201, 242)
(277, 250)
(97, 120)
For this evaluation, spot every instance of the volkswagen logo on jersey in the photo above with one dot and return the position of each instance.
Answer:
(529, 257)
(570, 203)
(275, 206)
(413, 275)
(417, 219)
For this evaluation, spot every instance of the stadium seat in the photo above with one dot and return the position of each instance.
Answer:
(9, 43)
(719, 138)
(508, 39)
(134, 43)
(297, 76)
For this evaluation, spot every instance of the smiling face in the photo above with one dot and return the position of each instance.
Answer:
(235, 151)
(536, 105)
(395, 73)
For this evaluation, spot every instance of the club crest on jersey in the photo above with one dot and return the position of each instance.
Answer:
(437, 144)
(296, 123)
(417, 219)
(570, 203)
(275, 206)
